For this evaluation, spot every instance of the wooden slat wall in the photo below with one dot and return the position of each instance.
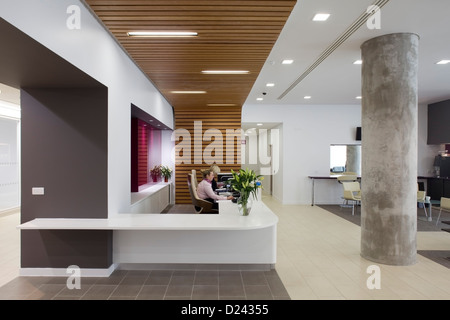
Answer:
(211, 118)
(142, 154)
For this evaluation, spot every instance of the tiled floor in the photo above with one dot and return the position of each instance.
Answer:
(318, 258)
(154, 285)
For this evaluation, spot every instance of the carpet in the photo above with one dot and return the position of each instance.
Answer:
(422, 223)
(439, 256)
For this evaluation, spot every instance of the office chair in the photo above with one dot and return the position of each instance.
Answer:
(194, 178)
(352, 192)
(200, 205)
(445, 204)
(421, 195)
(350, 177)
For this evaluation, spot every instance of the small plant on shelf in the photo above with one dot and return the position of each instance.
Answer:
(166, 172)
(155, 172)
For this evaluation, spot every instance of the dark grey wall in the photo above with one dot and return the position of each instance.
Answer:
(64, 149)
(439, 122)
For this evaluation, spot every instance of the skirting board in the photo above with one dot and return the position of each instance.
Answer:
(64, 272)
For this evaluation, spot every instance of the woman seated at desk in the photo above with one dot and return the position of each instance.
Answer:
(205, 191)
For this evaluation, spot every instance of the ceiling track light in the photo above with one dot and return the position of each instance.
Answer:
(188, 92)
(159, 34)
(225, 71)
(221, 104)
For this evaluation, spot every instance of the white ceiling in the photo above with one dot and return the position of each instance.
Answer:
(337, 80)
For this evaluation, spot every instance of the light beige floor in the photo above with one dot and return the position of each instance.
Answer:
(318, 258)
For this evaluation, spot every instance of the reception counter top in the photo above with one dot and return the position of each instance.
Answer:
(226, 237)
(227, 219)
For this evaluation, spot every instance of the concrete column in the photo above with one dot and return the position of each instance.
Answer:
(389, 149)
(354, 159)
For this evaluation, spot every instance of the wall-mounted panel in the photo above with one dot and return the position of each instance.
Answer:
(439, 122)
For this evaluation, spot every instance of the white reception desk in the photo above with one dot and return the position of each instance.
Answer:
(222, 238)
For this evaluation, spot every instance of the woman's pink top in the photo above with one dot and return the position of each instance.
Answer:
(204, 191)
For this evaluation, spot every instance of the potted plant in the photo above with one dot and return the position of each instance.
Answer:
(247, 183)
(155, 172)
(166, 172)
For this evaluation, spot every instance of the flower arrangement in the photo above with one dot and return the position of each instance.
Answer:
(166, 172)
(247, 182)
(155, 172)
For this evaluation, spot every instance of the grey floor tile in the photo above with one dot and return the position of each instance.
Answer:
(182, 278)
(133, 280)
(66, 292)
(230, 278)
(206, 278)
(159, 277)
(206, 282)
(152, 292)
(179, 291)
(231, 290)
(46, 292)
(205, 292)
(232, 298)
(258, 292)
(253, 278)
(99, 292)
(126, 290)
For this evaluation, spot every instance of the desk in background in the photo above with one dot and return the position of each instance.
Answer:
(313, 178)
(334, 177)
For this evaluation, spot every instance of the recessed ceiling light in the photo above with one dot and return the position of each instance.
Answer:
(259, 99)
(307, 97)
(225, 71)
(358, 97)
(287, 61)
(321, 17)
(259, 124)
(221, 104)
(161, 34)
(270, 84)
(188, 92)
(443, 62)
(358, 62)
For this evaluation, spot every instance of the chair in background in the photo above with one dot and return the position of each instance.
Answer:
(200, 205)
(347, 177)
(421, 198)
(352, 192)
(445, 205)
(194, 178)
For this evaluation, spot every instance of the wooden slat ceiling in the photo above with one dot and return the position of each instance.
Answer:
(232, 35)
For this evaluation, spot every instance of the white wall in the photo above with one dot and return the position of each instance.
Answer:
(308, 131)
(94, 51)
